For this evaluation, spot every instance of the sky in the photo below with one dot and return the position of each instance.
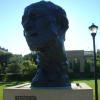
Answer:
(80, 13)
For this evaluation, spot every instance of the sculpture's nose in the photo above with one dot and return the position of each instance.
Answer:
(29, 25)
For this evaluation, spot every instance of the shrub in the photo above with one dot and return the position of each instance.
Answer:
(73, 75)
(8, 78)
(88, 75)
(76, 67)
(0, 69)
(98, 74)
(87, 67)
(2, 77)
(91, 75)
(14, 77)
(27, 77)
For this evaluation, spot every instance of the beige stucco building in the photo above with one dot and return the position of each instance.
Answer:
(81, 56)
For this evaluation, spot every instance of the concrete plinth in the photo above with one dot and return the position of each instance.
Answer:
(77, 91)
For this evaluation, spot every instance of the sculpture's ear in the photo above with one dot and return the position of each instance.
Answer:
(62, 23)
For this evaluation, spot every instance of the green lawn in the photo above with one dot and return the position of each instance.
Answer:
(89, 82)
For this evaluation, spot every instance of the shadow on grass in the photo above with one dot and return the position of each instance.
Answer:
(12, 83)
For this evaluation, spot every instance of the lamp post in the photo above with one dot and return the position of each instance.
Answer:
(93, 30)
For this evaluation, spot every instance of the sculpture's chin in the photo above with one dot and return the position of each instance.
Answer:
(36, 47)
(42, 45)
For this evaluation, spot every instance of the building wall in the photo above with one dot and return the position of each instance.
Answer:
(80, 55)
(3, 50)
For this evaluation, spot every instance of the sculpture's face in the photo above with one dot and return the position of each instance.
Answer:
(39, 28)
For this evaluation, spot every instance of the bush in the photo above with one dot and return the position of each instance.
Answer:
(0, 69)
(2, 77)
(87, 67)
(27, 77)
(8, 78)
(73, 75)
(14, 77)
(76, 67)
(98, 74)
(88, 75)
(91, 75)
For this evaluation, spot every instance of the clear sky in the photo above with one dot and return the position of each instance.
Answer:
(80, 13)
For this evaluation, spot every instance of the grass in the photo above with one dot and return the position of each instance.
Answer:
(89, 82)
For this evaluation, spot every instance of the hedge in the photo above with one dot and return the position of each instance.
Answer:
(2, 77)
(73, 75)
(14, 77)
(88, 75)
(98, 74)
(20, 77)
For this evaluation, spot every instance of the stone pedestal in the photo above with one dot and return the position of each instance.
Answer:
(77, 91)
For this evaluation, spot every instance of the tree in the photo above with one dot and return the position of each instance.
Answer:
(76, 68)
(98, 66)
(87, 67)
(34, 56)
(32, 70)
(98, 60)
(4, 57)
(3, 68)
(28, 67)
(14, 64)
(98, 54)
(13, 68)
(25, 66)
(31, 56)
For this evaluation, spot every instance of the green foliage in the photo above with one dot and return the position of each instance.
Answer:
(98, 60)
(98, 74)
(88, 75)
(14, 77)
(4, 57)
(27, 77)
(0, 69)
(2, 77)
(3, 68)
(13, 68)
(87, 67)
(32, 57)
(73, 75)
(76, 67)
(25, 66)
(28, 67)
(98, 54)
(14, 64)
(98, 66)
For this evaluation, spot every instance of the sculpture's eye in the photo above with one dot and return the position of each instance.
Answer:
(38, 16)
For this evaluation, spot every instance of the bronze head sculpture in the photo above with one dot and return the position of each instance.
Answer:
(44, 26)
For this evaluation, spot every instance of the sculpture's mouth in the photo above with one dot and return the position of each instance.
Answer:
(33, 34)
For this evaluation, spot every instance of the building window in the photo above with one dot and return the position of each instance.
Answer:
(70, 64)
(78, 61)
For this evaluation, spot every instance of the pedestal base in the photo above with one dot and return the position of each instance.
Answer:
(77, 91)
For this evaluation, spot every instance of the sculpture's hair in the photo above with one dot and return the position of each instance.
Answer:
(51, 6)
(55, 10)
